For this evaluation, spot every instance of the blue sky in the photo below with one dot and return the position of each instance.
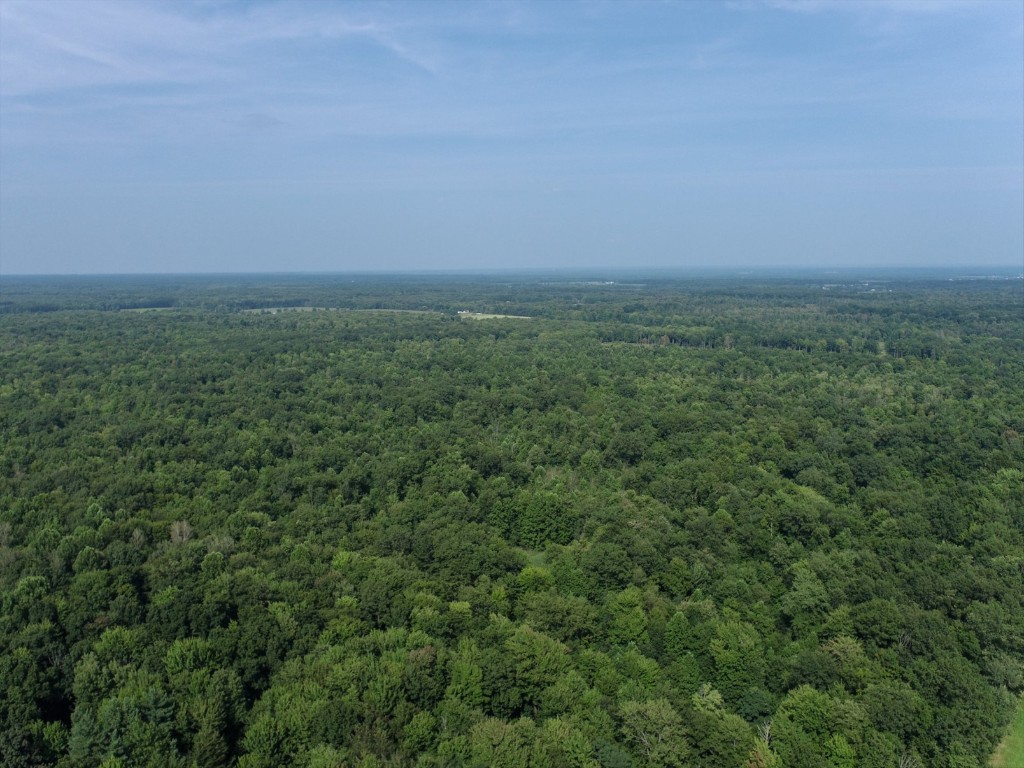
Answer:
(275, 136)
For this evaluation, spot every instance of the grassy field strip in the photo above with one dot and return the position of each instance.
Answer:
(278, 310)
(1010, 753)
(489, 316)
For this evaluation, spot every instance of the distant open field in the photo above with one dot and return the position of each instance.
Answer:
(1010, 753)
(489, 316)
(277, 310)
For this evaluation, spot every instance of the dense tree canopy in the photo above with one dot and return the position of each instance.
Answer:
(713, 523)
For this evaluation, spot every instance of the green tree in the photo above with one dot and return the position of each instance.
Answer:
(654, 732)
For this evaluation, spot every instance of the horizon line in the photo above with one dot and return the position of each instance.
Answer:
(977, 269)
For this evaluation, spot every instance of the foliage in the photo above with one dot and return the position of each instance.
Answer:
(726, 523)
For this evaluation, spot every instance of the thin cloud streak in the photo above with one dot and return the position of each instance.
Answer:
(135, 42)
(922, 7)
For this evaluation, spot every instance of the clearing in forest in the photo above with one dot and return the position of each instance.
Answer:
(1010, 753)
(489, 316)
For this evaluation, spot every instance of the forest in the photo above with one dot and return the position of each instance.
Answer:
(551, 521)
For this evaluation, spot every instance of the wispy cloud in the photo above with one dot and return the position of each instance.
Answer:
(285, 116)
(928, 7)
(532, 77)
(65, 45)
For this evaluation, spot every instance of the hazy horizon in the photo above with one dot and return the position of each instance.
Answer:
(318, 137)
(959, 271)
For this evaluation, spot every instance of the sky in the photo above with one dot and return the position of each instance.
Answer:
(253, 136)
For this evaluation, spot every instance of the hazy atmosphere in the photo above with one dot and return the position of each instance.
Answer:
(264, 136)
